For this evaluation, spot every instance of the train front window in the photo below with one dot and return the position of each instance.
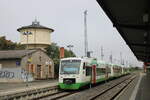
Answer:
(70, 66)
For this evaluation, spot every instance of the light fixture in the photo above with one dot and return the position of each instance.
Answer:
(145, 34)
(27, 33)
(145, 17)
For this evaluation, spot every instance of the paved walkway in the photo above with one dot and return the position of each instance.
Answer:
(10, 88)
(139, 89)
(144, 88)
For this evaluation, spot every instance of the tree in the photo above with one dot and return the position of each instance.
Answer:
(69, 53)
(9, 45)
(53, 52)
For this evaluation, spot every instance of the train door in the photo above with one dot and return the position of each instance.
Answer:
(87, 71)
(50, 71)
(148, 69)
(108, 71)
(112, 71)
(93, 74)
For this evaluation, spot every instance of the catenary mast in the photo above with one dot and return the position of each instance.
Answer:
(85, 34)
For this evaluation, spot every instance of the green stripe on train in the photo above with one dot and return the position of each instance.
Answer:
(100, 80)
(77, 85)
(72, 86)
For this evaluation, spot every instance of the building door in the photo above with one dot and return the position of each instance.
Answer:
(38, 71)
(50, 71)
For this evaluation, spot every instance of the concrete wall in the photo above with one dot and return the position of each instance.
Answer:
(38, 36)
(10, 63)
(14, 75)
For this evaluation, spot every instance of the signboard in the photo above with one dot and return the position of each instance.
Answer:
(17, 63)
(29, 60)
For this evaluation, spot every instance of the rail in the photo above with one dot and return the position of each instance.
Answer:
(30, 94)
(111, 88)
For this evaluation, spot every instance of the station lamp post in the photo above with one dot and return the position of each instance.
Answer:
(70, 46)
(27, 33)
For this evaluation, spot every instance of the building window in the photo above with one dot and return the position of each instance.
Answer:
(32, 68)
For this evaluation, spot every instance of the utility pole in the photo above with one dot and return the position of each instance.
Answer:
(27, 33)
(85, 34)
(102, 55)
(121, 58)
(111, 58)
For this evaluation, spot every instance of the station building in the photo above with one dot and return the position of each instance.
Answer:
(25, 65)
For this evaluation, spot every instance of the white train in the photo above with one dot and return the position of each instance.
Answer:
(75, 73)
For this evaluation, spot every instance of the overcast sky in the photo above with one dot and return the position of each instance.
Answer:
(66, 18)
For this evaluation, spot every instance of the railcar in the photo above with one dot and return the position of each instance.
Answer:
(148, 69)
(75, 73)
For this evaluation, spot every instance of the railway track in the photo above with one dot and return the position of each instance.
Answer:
(107, 91)
(112, 92)
(31, 94)
(57, 96)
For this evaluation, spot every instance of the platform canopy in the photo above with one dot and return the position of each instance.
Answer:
(132, 20)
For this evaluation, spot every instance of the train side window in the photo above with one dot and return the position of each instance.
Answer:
(108, 70)
(84, 65)
(88, 71)
(100, 71)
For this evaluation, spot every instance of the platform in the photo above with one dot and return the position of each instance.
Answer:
(11, 88)
(144, 88)
(139, 89)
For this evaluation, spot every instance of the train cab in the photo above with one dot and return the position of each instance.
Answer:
(69, 73)
(76, 72)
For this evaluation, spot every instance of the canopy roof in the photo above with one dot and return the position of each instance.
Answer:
(14, 54)
(132, 20)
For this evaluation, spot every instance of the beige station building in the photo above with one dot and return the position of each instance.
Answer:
(25, 65)
(35, 36)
